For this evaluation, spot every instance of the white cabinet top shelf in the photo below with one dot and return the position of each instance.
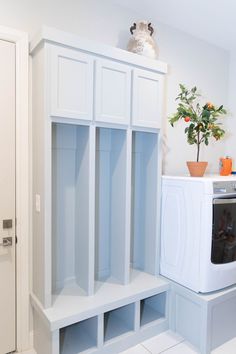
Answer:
(55, 36)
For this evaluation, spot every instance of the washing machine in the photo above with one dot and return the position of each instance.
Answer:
(198, 231)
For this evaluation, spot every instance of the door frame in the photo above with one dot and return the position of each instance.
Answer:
(22, 185)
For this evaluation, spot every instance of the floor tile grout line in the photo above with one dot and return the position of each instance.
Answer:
(163, 351)
(146, 348)
(174, 346)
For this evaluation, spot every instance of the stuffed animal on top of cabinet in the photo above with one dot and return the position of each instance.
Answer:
(142, 41)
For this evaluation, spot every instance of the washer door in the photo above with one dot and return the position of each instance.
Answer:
(224, 231)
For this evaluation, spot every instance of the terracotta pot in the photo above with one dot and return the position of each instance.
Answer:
(197, 169)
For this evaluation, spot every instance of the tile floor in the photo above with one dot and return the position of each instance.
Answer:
(170, 343)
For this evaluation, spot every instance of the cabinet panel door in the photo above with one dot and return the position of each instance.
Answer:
(71, 84)
(113, 86)
(147, 99)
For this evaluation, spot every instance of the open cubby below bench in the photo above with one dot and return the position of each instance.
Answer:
(118, 322)
(152, 309)
(108, 322)
(79, 337)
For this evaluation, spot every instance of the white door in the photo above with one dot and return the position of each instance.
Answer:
(7, 197)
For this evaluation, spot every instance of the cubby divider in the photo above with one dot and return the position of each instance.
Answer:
(152, 309)
(79, 337)
(71, 197)
(144, 201)
(118, 322)
(111, 261)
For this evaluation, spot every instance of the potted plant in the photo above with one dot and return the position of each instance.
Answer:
(202, 123)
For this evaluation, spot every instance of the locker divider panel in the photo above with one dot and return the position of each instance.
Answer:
(70, 207)
(144, 204)
(110, 232)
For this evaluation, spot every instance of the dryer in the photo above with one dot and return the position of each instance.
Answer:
(198, 231)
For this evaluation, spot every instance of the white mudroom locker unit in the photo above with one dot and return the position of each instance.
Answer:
(97, 115)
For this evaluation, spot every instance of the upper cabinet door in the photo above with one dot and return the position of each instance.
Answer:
(71, 84)
(113, 87)
(147, 99)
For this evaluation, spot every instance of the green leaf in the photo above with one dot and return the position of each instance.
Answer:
(191, 126)
(206, 113)
(174, 119)
(182, 88)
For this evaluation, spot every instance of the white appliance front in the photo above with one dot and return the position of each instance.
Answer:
(190, 253)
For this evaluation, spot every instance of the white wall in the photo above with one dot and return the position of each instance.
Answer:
(231, 126)
(191, 61)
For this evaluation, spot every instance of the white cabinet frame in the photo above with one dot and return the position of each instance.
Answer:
(145, 100)
(107, 100)
(81, 107)
(109, 160)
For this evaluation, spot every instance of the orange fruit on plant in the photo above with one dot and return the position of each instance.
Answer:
(187, 119)
(209, 105)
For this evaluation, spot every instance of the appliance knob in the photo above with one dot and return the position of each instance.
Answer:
(234, 186)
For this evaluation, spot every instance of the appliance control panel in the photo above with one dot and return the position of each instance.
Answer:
(226, 187)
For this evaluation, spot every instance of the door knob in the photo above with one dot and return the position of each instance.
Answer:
(6, 241)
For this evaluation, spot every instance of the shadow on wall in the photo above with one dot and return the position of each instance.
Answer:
(123, 38)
